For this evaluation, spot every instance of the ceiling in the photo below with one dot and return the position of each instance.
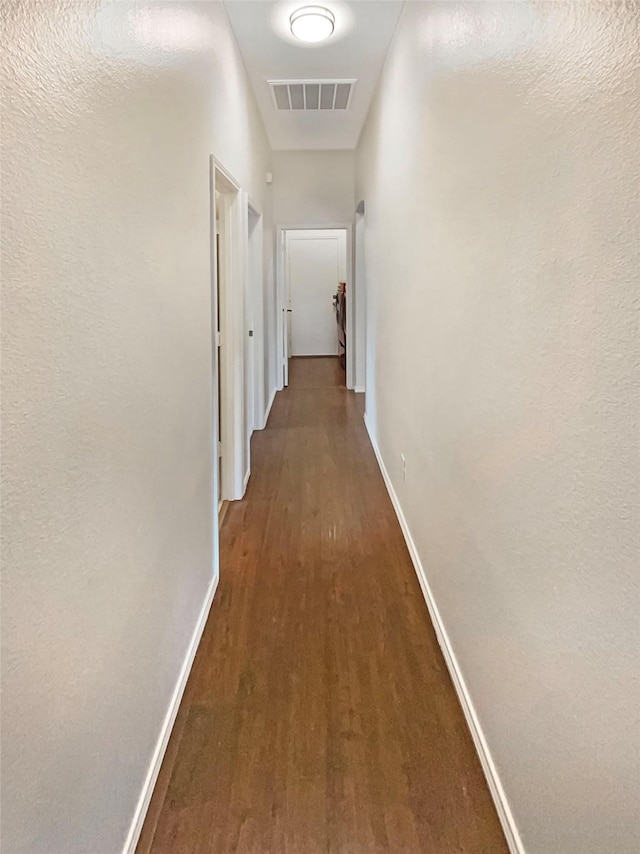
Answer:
(357, 49)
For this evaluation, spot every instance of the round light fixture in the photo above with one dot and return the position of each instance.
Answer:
(312, 23)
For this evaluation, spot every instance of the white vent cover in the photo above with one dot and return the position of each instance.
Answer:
(311, 94)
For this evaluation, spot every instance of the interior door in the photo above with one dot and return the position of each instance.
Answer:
(218, 341)
(286, 339)
(286, 309)
(249, 363)
(313, 264)
(250, 315)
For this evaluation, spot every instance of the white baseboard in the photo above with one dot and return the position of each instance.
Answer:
(268, 409)
(359, 389)
(246, 481)
(156, 761)
(488, 766)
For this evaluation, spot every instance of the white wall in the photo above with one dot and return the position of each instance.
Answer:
(360, 307)
(110, 114)
(313, 187)
(499, 167)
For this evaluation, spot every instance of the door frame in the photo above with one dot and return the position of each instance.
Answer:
(255, 327)
(230, 349)
(360, 308)
(282, 360)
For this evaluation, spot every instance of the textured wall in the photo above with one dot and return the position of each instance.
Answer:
(501, 176)
(313, 187)
(110, 113)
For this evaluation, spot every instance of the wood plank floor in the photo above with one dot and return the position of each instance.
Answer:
(319, 715)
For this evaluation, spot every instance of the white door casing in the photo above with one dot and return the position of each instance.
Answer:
(282, 296)
(230, 208)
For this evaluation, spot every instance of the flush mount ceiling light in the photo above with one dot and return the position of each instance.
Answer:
(312, 23)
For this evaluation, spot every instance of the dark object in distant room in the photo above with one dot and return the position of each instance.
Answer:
(340, 305)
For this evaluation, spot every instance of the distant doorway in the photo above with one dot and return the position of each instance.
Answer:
(315, 280)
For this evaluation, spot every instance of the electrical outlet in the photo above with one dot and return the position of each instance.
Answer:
(404, 467)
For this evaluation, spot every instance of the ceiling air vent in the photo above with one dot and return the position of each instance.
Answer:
(311, 94)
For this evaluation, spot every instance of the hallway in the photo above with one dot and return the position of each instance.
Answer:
(319, 715)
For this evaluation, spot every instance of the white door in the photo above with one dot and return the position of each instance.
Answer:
(286, 311)
(314, 267)
(248, 375)
(252, 298)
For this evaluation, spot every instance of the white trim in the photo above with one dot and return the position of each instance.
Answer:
(359, 389)
(268, 409)
(233, 268)
(215, 357)
(282, 357)
(246, 480)
(229, 183)
(165, 732)
(253, 207)
(482, 748)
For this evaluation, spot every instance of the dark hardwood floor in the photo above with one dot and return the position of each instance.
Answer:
(319, 715)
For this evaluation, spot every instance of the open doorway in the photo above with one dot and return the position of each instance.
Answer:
(228, 289)
(315, 283)
(360, 304)
(217, 336)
